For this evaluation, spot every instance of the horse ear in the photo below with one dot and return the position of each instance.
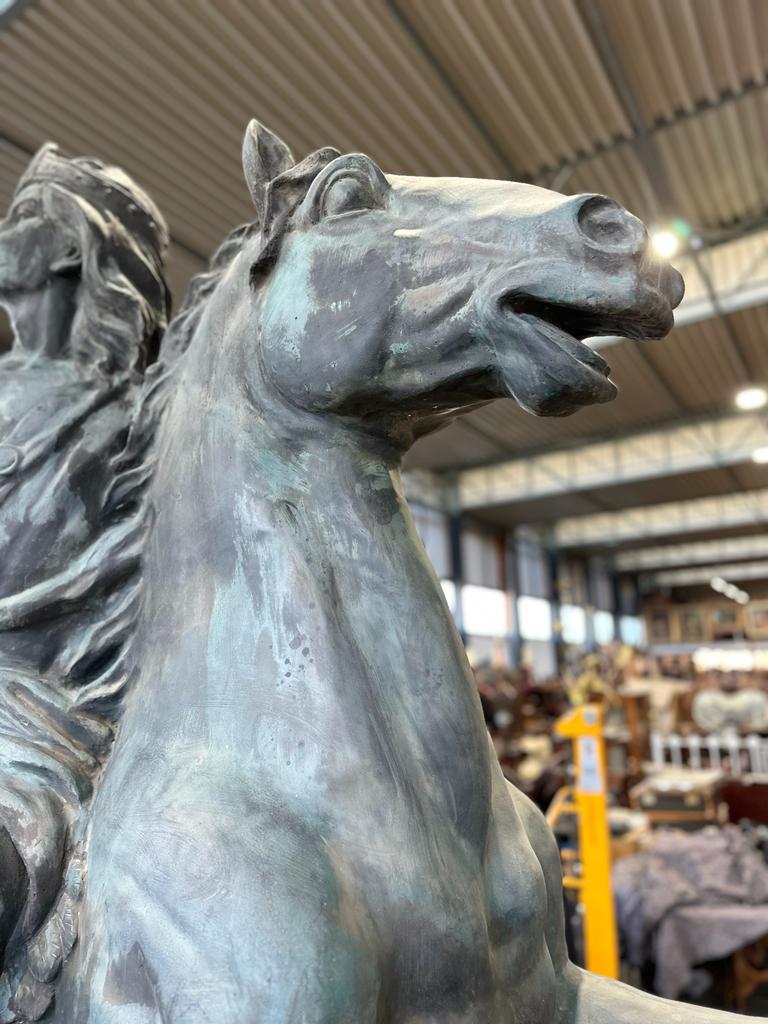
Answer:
(265, 156)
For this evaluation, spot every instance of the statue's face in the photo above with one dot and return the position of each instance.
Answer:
(420, 296)
(35, 246)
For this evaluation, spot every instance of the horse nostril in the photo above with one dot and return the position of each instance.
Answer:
(611, 227)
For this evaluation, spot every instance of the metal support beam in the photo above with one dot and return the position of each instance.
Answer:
(553, 566)
(703, 552)
(589, 578)
(700, 577)
(663, 193)
(451, 87)
(457, 569)
(668, 520)
(556, 176)
(512, 581)
(707, 444)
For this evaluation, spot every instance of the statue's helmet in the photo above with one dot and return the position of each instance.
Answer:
(109, 190)
(124, 242)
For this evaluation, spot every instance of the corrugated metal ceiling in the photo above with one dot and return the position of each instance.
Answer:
(681, 54)
(493, 88)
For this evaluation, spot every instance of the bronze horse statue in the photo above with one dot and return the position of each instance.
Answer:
(81, 273)
(302, 818)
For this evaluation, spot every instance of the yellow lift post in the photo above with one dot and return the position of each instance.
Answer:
(587, 800)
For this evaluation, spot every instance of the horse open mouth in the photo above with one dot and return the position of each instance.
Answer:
(562, 324)
(542, 361)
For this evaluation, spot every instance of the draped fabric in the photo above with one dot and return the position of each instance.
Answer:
(68, 594)
(691, 898)
(49, 757)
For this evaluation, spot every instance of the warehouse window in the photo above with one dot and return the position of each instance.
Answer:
(573, 624)
(604, 627)
(484, 611)
(535, 618)
(632, 630)
(487, 650)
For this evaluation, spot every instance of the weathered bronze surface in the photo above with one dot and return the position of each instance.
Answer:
(81, 253)
(302, 818)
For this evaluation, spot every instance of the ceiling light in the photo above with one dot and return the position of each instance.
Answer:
(760, 455)
(751, 398)
(729, 590)
(666, 243)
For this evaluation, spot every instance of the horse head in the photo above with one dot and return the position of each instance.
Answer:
(401, 301)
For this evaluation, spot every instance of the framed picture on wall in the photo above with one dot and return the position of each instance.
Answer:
(725, 621)
(692, 625)
(757, 620)
(659, 626)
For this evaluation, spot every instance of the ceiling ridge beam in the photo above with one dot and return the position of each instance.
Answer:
(697, 515)
(552, 172)
(694, 419)
(701, 444)
(701, 575)
(667, 200)
(693, 553)
(451, 87)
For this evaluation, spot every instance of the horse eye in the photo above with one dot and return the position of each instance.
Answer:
(347, 194)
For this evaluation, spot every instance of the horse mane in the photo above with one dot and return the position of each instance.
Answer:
(97, 667)
(134, 468)
(126, 511)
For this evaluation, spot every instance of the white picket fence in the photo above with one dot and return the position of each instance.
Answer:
(735, 755)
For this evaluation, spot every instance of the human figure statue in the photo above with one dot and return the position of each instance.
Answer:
(302, 818)
(81, 274)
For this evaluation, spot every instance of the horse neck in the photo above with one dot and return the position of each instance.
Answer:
(284, 558)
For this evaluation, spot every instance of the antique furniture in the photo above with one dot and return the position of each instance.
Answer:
(680, 797)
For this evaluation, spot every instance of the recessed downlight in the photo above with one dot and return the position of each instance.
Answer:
(666, 244)
(751, 398)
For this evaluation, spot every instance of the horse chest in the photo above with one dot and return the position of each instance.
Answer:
(516, 900)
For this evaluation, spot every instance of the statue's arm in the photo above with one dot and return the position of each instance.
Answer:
(587, 998)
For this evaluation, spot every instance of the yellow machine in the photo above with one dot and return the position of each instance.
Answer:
(587, 800)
